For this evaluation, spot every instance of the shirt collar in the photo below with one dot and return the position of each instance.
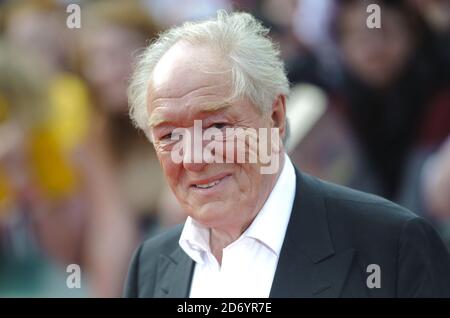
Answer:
(194, 240)
(269, 226)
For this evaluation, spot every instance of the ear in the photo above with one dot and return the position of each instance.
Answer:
(278, 115)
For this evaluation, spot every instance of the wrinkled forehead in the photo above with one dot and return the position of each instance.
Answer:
(188, 76)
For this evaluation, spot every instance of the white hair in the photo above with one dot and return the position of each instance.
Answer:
(257, 70)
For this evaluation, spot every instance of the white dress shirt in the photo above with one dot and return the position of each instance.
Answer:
(249, 263)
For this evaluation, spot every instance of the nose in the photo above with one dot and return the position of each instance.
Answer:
(194, 167)
(193, 153)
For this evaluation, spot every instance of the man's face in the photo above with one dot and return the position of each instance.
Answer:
(187, 82)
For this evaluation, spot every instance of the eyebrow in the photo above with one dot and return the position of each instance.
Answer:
(157, 119)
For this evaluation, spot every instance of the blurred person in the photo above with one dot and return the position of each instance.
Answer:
(82, 185)
(53, 198)
(316, 61)
(40, 224)
(120, 168)
(252, 234)
(39, 27)
(394, 95)
(114, 32)
(394, 99)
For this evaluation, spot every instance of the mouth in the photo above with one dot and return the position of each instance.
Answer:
(210, 182)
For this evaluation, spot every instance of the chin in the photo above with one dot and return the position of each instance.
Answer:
(210, 215)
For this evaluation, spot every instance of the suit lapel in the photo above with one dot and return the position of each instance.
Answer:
(308, 264)
(175, 275)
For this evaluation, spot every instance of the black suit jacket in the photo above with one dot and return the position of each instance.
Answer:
(333, 235)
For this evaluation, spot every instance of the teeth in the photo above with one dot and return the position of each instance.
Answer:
(208, 185)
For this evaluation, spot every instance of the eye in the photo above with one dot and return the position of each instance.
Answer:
(166, 136)
(219, 125)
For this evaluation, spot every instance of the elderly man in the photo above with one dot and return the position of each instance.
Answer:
(252, 232)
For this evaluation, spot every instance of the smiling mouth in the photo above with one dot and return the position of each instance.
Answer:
(208, 185)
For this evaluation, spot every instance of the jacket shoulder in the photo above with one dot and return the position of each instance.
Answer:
(409, 251)
(361, 220)
(163, 243)
(142, 273)
(352, 203)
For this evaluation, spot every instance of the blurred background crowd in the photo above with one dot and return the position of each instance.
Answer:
(370, 109)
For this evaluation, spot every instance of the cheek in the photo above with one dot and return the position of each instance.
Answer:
(247, 179)
(171, 170)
